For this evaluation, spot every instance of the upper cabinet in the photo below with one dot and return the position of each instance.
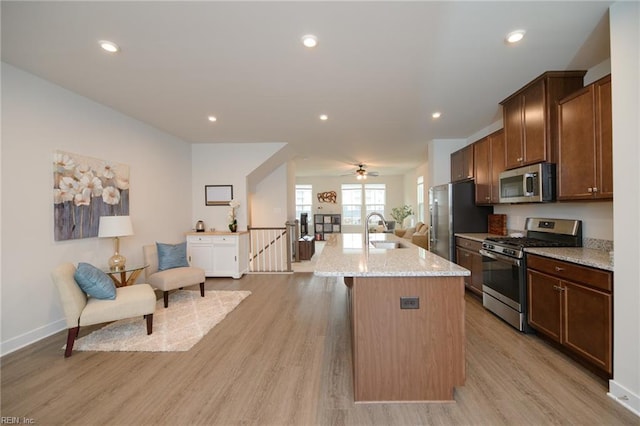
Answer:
(462, 164)
(530, 117)
(489, 162)
(585, 164)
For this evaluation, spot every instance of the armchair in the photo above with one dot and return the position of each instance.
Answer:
(80, 310)
(170, 279)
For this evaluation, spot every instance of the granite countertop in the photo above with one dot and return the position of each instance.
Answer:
(479, 237)
(582, 256)
(344, 255)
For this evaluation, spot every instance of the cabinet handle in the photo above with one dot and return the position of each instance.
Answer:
(559, 269)
(589, 190)
(519, 159)
(558, 288)
(595, 189)
(466, 255)
(189, 258)
(487, 198)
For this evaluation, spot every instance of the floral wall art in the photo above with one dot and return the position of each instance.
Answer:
(84, 189)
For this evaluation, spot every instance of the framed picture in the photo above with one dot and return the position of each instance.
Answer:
(218, 195)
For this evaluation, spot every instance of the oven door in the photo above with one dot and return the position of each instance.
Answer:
(502, 278)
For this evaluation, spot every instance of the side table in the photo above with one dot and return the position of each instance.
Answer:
(120, 278)
(306, 247)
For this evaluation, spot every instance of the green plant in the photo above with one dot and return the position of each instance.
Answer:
(401, 213)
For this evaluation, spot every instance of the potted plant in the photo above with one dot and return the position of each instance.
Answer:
(399, 214)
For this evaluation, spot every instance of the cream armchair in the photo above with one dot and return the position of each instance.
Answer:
(170, 279)
(81, 310)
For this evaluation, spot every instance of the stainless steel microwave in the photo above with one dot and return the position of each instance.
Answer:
(529, 184)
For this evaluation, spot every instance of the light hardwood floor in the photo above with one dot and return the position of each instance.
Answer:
(284, 357)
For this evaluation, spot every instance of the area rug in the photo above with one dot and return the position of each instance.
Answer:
(177, 328)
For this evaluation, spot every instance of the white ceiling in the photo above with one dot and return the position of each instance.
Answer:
(379, 71)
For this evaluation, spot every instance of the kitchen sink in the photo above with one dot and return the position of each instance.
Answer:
(387, 245)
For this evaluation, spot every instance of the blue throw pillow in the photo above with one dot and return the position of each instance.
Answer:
(172, 256)
(95, 282)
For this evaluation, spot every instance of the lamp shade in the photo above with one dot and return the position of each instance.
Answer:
(115, 226)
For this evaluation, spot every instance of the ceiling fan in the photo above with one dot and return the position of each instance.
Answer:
(362, 173)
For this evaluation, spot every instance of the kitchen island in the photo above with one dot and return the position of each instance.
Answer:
(406, 307)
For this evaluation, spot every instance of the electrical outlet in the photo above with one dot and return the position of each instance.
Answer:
(409, 303)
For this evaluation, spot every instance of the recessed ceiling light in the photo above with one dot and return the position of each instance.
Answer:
(515, 36)
(109, 46)
(310, 40)
(436, 114)
(324, 117)
(212, 118)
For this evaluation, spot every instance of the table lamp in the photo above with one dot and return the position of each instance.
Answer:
(116, 227)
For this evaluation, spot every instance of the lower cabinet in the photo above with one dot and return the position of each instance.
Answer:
(220, 255)
(468, 256)
(572, 305)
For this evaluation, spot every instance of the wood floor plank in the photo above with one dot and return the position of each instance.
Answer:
(283, 357)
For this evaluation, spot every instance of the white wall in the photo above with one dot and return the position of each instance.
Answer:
(597, 217)
(624, 21)
(37, 119)
(226, 164)
(439, 155)
(269, 203)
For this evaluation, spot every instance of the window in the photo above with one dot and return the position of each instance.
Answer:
(351, 204)
(304, 200)
(358, 200)
(420, 210)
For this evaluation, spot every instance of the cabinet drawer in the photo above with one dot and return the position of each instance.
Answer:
(224, 239)
(572, 272)
(468, 244)
(199, 239)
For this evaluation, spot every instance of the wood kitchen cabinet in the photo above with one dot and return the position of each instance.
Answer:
(462, 164)
(530, 117)
(585, 162)
(572, 305)
(468, 256)
(489, 161)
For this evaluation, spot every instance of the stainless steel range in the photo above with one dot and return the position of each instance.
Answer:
(504, 269)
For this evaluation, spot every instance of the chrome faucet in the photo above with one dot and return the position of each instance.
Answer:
(366, 226)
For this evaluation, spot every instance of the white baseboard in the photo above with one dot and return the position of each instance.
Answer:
(30, 337)
(625, 397)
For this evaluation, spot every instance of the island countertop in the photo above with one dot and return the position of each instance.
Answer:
(344, 255)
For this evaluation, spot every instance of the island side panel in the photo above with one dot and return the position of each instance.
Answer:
(408, 354)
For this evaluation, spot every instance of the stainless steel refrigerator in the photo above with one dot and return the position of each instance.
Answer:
(452, 210)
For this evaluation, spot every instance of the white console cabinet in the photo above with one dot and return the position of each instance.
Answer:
(219, 254)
